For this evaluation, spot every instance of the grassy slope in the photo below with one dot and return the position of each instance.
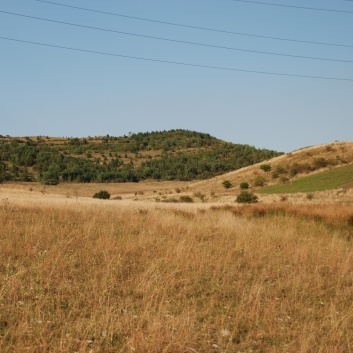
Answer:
(340, 153)
(327, 180)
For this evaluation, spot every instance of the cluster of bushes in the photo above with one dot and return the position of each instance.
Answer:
(284, 173)
(299, 168)
(182, 199)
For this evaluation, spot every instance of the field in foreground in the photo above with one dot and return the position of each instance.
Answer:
(129, 276)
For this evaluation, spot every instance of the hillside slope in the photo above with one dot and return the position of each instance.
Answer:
(167, 155)
(282, 170)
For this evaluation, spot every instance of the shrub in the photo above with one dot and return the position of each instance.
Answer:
(247, 197)
(186, 198)
(103, 194)
(301, 168)
(283, 198)
(227, 184)
(201, 196)
(310, 196)
(293, 172)
(259, 181)
(280, 169)
(244, 186)
(320, 163)
(284, 180)
(265, 167)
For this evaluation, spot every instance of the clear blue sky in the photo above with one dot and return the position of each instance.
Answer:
(56, 92)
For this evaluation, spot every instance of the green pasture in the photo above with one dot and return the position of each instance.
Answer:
(327, 180)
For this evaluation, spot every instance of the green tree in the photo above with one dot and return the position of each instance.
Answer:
(244, 185)
(51, 176)
(103, 194)
(227, 184)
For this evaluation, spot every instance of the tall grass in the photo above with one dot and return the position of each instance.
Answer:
(109, 278)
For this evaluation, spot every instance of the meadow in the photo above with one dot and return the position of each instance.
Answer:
(341, 177)
(84, 275)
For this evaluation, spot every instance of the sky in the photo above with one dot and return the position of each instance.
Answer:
(230, 90)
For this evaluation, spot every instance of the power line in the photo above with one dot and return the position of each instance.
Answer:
(179, 41)
(196, 27)
(176, 62)
(293, 6)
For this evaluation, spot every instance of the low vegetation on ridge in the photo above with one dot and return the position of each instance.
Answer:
(311, 169)
(167, 155)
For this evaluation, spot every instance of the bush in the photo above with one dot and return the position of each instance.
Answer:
(186, 198)
(275, 175)
(247, 197)
(244, 186)
(265, 167)
(301, 168)
(283, 198)
(103, 194)
(280, 169)
(320, 163)
(293, 172)
(310, 196)
(201, 196)
(259, 181)
(227, 184)
(284, 180)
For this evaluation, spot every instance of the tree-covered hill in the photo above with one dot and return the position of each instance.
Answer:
(165, 155)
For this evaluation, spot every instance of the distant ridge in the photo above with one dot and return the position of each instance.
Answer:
(161, 155)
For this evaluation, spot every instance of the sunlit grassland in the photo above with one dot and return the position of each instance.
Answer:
(143, 277)
(327, 180)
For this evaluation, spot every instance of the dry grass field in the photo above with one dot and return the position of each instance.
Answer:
(85, 275)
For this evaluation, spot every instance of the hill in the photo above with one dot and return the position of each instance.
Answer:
(315, 168)
(166, 155)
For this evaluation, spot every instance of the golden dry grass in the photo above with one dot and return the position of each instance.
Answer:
(72, 190)
(340, 151)
(92, 276)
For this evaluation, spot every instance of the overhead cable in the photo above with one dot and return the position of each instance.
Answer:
(195, 27)
(176, 62)
(293, 6)
(179, 41)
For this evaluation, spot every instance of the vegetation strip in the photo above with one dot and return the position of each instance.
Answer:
(167, 155)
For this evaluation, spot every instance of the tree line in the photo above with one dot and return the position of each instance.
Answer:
(182, 155)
